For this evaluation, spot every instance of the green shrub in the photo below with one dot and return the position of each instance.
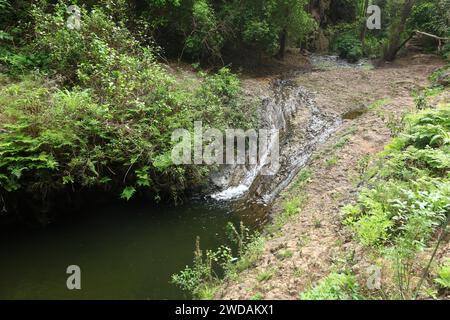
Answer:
(205, 36)
(373, 228)
(201, 279)
(373, 47)
(335, 286)
(348, 47)
(440, 71)
(410, 190)
(430, 17)
(445, 51)
(443, 275)
(386, 211)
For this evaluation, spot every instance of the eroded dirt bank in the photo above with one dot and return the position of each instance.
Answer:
(371, 102)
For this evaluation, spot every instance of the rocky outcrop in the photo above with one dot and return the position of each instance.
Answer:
(329, 12)
(332, 11)
(444, 78)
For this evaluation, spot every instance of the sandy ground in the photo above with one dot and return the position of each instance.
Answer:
(316, 237)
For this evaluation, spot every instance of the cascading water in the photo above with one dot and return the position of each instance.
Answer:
(291, 113)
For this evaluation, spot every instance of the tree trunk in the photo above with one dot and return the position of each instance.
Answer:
(396, 32)
(282, 43)
(364, 27)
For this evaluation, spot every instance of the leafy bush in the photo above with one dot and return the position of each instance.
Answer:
(335, 286)
(99, 41)
(107, 118)
(429, 128)
(445, 51)
(441, 76)
(386, 211)
(200, 277)
(348, 47)
(205, 36)
(206, 29)
(373, 47)
(443, 275)
(38, 136)
(85, 141)
(373, 228)
(259, 32)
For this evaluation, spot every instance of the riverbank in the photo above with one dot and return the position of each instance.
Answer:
(313, 242)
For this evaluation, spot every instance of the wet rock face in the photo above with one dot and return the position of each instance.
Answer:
(302, 124)
(290, 109)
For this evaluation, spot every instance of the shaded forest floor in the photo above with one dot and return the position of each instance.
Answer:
(312, 243)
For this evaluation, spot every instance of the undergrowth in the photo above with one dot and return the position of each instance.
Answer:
(335, 286)
(211, 268)
(406, 199)
(98, 111)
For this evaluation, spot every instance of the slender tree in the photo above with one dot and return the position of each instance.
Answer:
(397, 30)
(363, 27)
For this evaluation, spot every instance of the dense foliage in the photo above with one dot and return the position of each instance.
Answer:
(349, 47)
(351, 39)
(214, 31)
(407, 198)
(193, 29)
(99, 110)
(411, 184)
(207, 28)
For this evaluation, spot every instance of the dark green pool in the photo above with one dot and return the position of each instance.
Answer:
(126, 251)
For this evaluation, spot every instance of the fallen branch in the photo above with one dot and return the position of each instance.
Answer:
(440, 39)
(431, 35)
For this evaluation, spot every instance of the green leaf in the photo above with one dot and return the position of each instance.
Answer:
(67, 180)
(143, 179)
(127, 193)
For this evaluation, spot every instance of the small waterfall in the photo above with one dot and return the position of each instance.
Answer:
(293, 119)
(251, 173)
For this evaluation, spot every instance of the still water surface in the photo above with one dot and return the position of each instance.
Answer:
(125, 251)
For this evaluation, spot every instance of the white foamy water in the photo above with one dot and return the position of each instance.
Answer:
(231, 193)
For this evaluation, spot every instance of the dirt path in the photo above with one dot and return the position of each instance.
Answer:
(315, 239)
